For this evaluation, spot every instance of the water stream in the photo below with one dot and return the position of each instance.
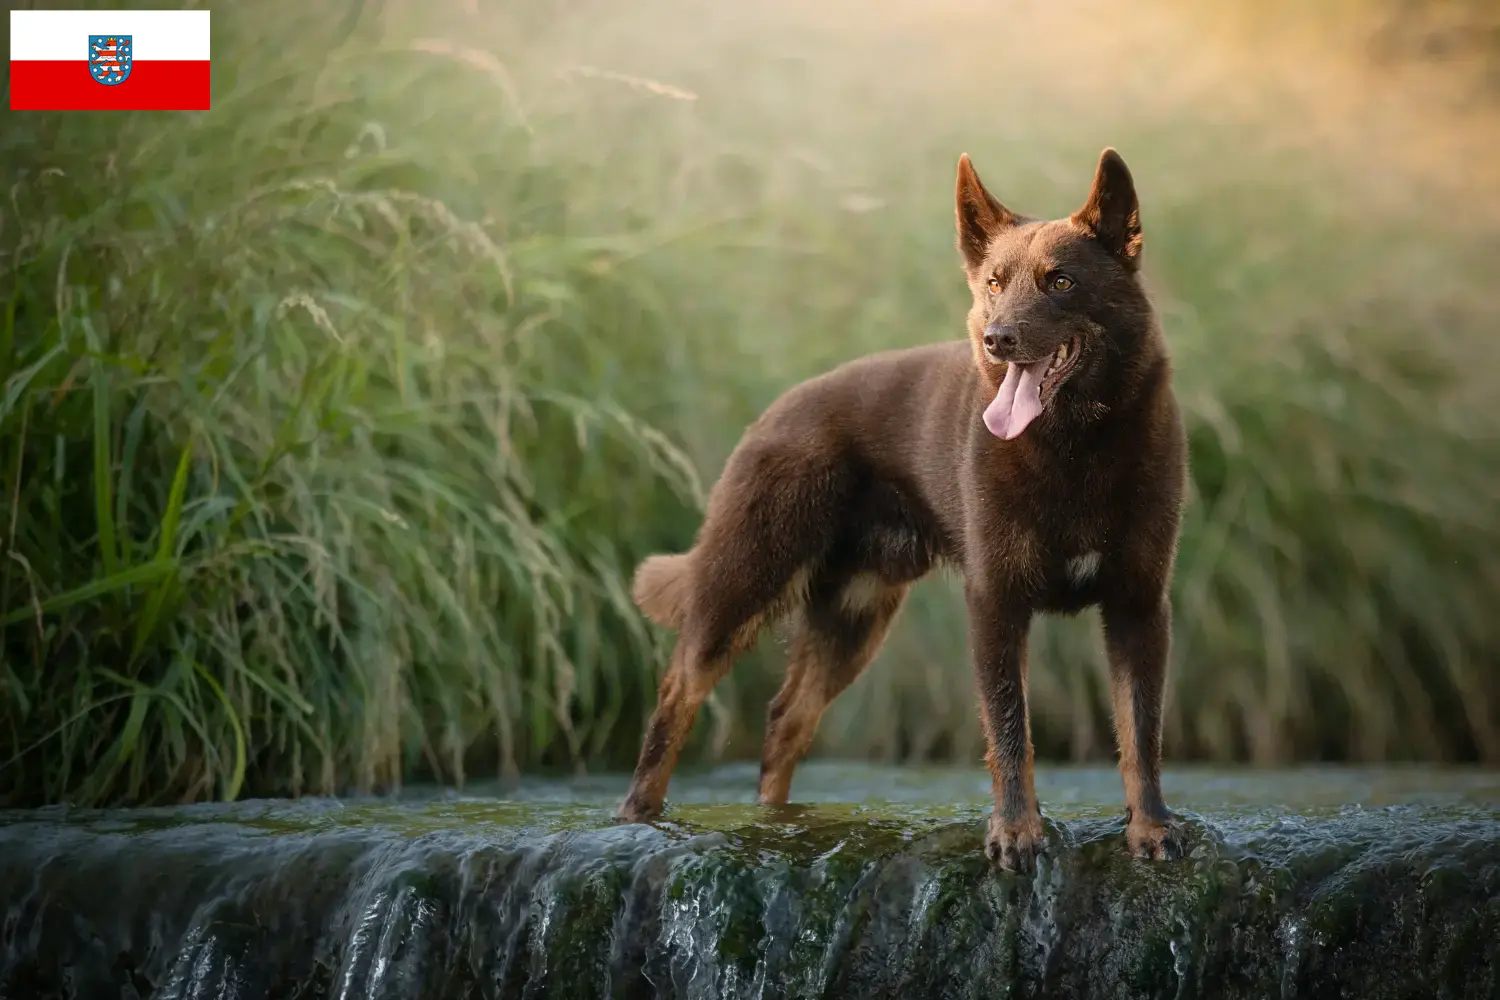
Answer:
(1317, 883)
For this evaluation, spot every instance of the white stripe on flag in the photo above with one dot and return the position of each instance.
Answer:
(63, 35)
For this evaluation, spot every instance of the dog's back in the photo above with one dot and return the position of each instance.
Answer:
(844, 461)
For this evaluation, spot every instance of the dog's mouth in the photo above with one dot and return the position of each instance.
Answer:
(1028, 388)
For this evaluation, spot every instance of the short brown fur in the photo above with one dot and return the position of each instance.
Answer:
(855, 484)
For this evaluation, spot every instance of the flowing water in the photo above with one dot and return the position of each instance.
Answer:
(1317, 883)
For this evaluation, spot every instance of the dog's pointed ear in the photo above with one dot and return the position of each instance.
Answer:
(1112, 212)
(980, 217)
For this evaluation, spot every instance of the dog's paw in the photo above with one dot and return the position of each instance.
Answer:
(1013, 846)
(634, 810)
(1156, 840)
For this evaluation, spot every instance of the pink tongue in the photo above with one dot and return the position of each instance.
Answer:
(1018, 402)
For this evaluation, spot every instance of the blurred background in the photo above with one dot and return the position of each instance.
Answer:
(334, 420)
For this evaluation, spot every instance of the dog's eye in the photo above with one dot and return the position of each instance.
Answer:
(994, 283)
(1060, 283)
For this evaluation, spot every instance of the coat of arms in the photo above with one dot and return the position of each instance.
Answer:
(110, 58)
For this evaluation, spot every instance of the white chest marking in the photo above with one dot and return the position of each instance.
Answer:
(1082, 568)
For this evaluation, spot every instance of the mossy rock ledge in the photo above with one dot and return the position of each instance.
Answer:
(538, 894)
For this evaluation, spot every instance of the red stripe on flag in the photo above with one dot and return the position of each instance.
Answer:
(68, 86)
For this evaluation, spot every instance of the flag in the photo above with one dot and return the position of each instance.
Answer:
(136, 60)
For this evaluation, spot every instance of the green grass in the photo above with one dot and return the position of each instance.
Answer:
(332, 421)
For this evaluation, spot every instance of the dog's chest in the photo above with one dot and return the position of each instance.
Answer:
(1067, 555)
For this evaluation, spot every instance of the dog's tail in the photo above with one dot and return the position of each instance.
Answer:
(660, 589)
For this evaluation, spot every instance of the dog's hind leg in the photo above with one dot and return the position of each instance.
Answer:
(690, 678)
(721, 624)
(767, 527)
(842, 627)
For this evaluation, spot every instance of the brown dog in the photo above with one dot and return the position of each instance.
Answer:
(1044, 459)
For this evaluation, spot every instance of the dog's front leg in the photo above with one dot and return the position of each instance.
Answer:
(997, 635)
(1137, 638)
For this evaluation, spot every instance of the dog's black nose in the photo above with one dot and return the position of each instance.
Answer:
(1000, 337)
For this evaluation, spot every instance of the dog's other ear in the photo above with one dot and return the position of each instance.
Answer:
(1112, 213)
(980, 216)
